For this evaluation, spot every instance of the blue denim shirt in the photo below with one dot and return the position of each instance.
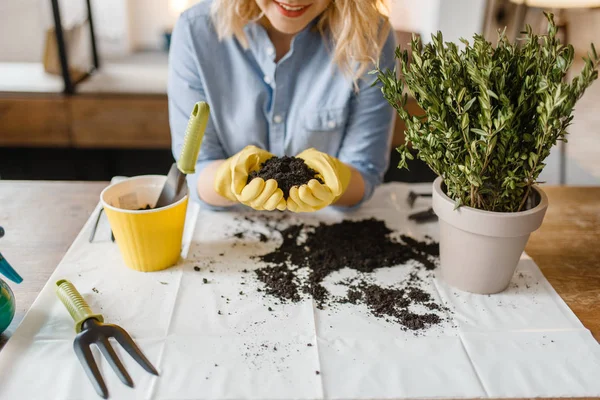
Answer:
(285, 107)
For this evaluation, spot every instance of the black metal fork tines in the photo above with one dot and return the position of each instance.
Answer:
(98, 333)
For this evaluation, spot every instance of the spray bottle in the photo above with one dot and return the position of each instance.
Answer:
(7, 298)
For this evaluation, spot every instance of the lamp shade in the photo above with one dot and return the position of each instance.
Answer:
(559, 3)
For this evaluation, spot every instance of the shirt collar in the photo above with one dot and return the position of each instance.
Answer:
(260, 43)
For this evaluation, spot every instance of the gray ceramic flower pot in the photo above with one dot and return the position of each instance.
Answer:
(480, 250)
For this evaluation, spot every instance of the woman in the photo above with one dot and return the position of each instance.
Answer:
(283, 78)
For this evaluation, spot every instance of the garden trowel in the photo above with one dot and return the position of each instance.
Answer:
(189, 154)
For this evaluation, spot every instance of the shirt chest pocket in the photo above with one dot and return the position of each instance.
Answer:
(325, 128)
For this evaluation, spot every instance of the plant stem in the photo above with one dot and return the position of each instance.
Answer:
(524, 198)
(472, 196)
(535, 164)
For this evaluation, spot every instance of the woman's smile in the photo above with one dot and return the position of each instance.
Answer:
(291, 10)
(291, 16)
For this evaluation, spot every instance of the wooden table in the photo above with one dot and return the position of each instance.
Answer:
(567, 250)
(42, 219)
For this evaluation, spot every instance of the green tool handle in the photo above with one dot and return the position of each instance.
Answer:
(193, 138)
(76, 305)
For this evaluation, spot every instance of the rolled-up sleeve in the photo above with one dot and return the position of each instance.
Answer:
(366, 144)
(185, 88)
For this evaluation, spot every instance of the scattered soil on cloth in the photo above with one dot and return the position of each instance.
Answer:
(280, 282)
(394, 303)
(262, 237)
(309, 254)
(243, 234)
(287, 171)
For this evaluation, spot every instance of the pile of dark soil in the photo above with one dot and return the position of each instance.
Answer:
(287, 171)
(363, 246)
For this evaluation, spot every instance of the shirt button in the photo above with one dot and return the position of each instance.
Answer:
(277, 119)
(270, 51)
(331, 124)
(267, 79)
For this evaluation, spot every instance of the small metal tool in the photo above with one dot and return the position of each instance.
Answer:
(423, 217)
(95, 228)
(412, 197)
(90, 329)
(189, 154)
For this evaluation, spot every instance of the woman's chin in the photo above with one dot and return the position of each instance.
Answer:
(289, 28)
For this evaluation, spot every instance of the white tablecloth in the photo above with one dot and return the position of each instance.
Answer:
(524, 342)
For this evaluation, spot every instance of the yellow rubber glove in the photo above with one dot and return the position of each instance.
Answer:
(232, 176)
(315, 195)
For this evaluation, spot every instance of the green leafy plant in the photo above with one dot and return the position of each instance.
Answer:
(492, 114)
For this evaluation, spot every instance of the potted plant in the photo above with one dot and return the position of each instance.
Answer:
(492, 115)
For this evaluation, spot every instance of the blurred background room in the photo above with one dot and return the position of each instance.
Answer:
(83, 82)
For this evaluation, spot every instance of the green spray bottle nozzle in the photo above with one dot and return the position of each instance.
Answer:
(5, 268)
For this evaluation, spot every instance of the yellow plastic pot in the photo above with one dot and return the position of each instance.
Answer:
(149, 240)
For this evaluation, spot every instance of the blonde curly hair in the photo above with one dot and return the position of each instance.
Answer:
(358, 29)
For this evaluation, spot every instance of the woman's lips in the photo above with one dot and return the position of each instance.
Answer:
(290, 10)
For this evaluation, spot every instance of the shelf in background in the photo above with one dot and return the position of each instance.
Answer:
(120, 122)
(138, 73)
(35, 121)
(28, 77)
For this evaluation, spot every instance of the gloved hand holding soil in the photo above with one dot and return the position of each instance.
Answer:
(310, 181)
(315, 195)
(231, 181)
(287, 171)
(306, 183)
